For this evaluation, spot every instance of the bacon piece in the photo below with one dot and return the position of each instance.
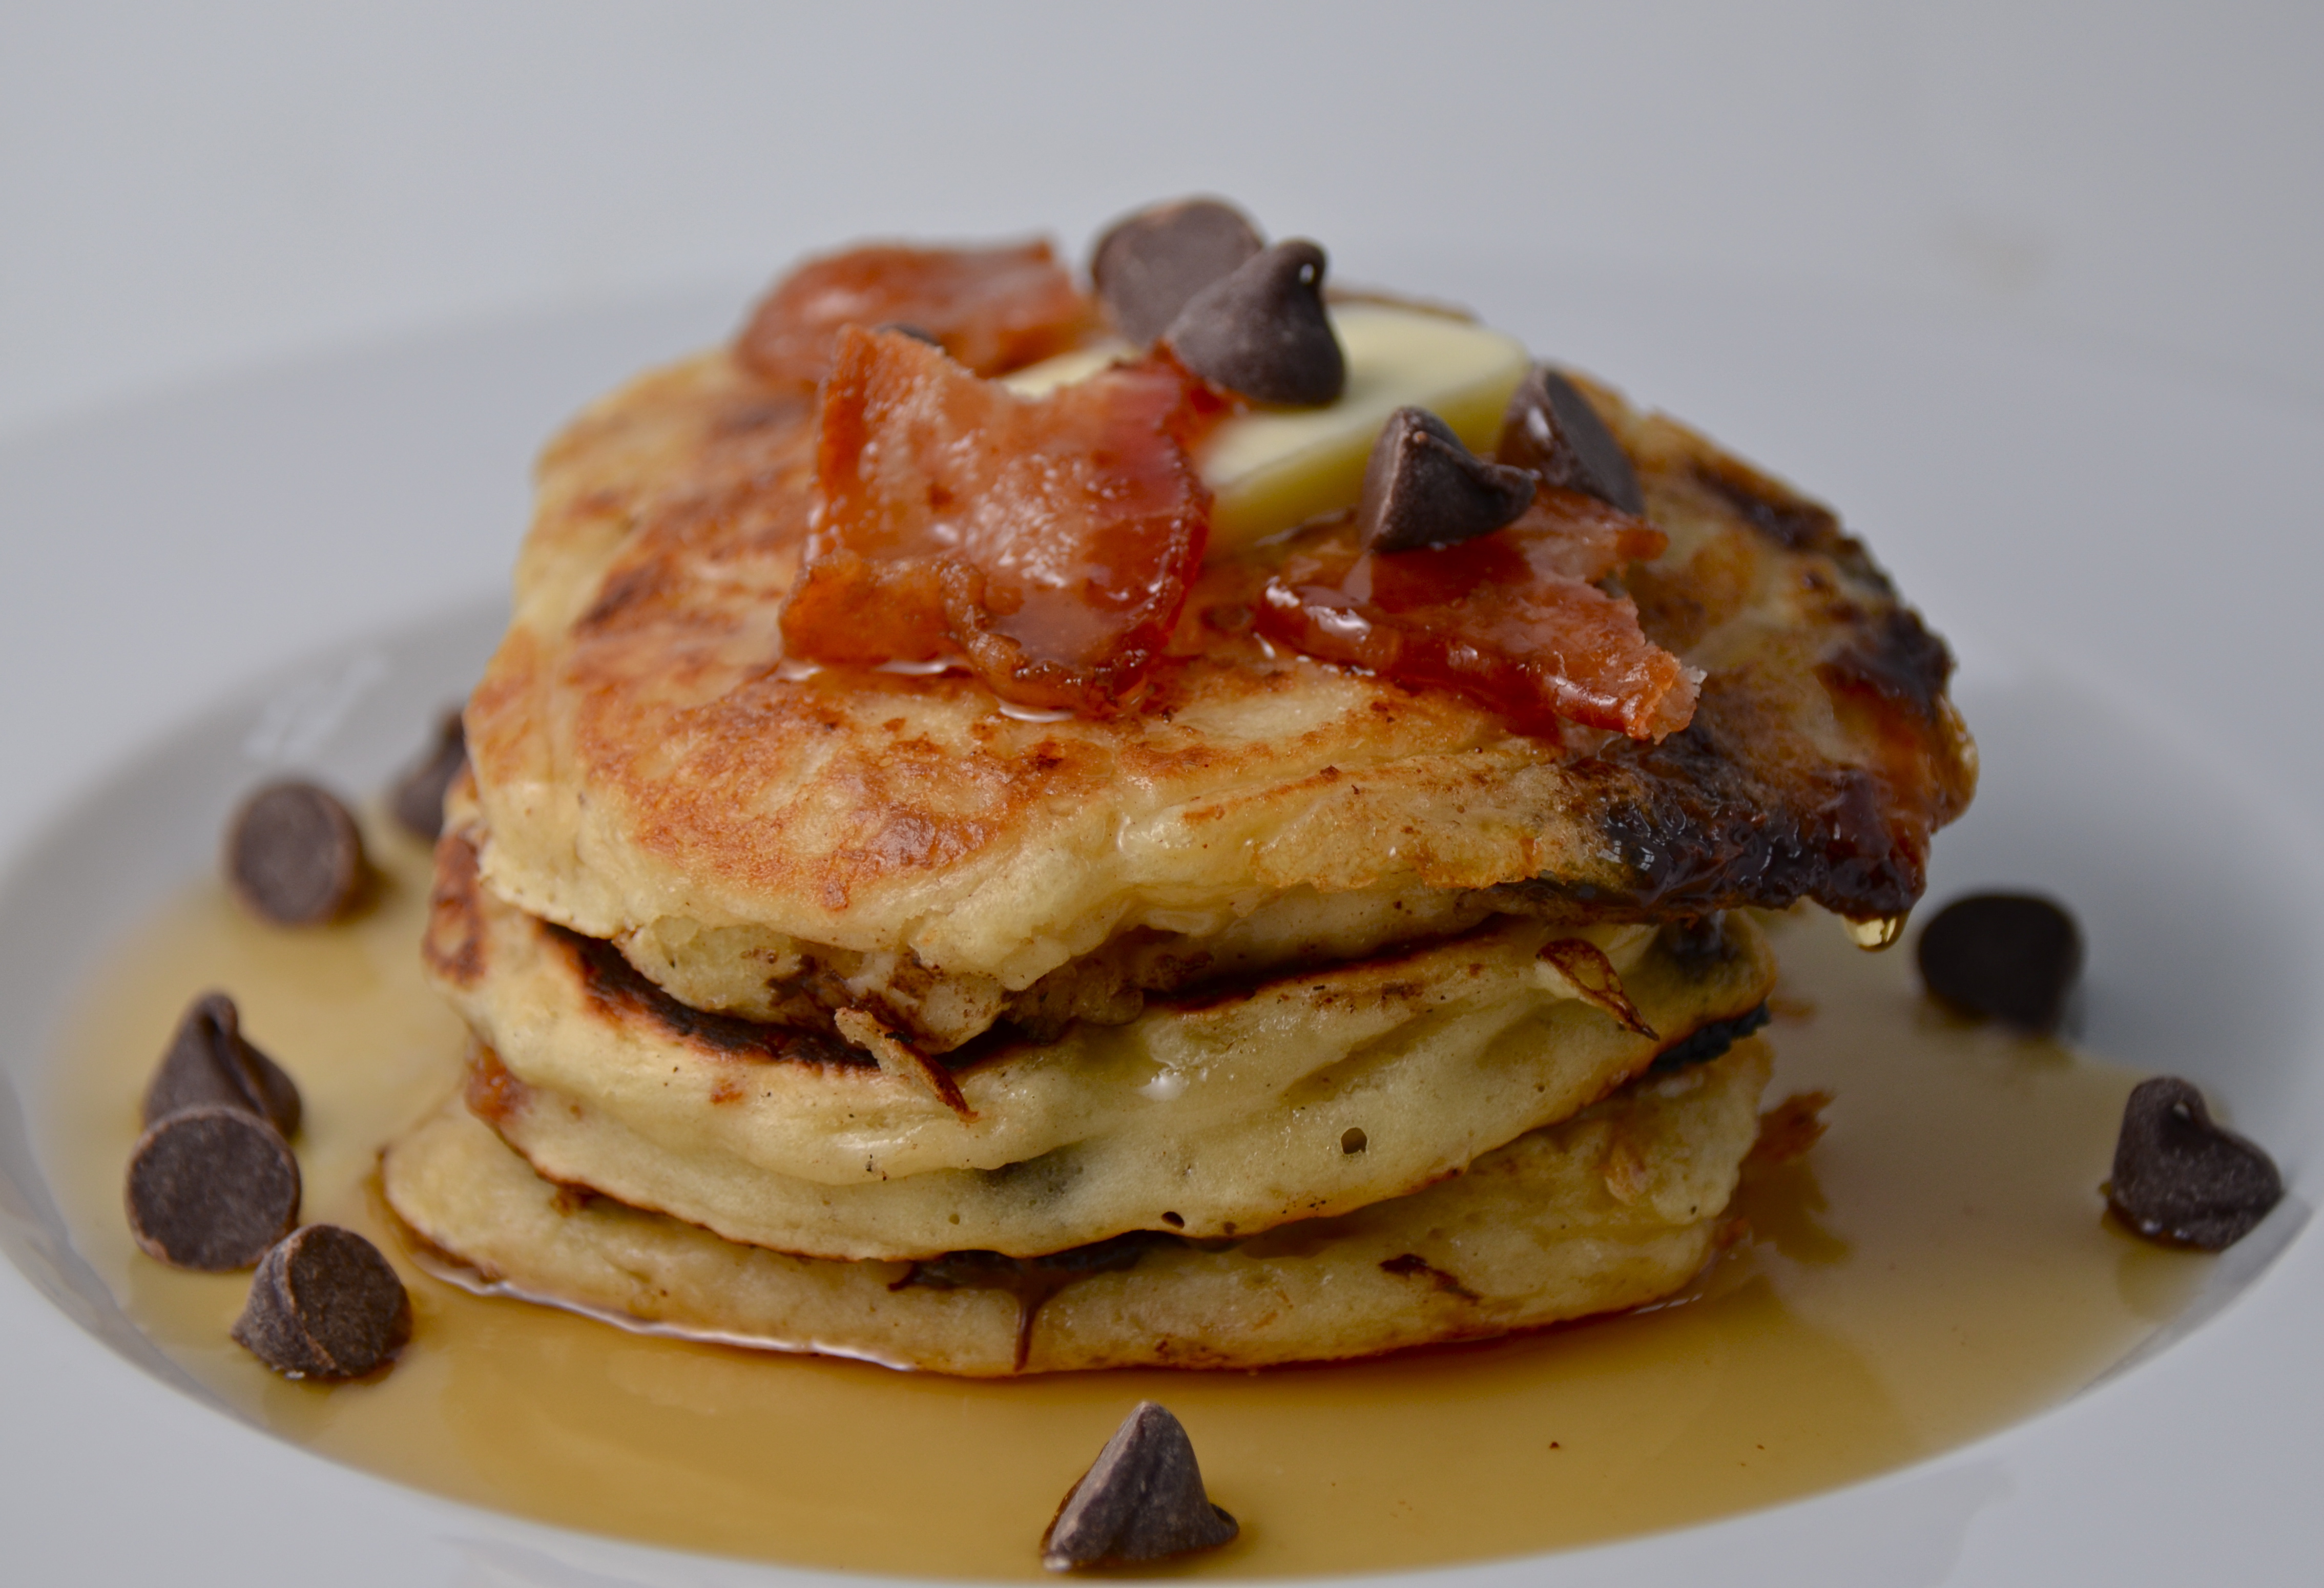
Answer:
(995, 310)
(1048, 541)
(1512, 619)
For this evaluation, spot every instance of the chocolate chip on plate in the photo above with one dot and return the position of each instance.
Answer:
(2183, 1179)
(293, 855)
(1147, 266)
(1550, 427)
(1261, 330)
(1141, 1500)
(211, 1063)
(418, 798)
(2014, 957)
(1421, 488)
(325, 1305)
(211, 1189)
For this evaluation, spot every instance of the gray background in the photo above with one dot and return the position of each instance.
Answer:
(186, 189)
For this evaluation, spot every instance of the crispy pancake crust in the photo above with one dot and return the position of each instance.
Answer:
(647, 765)
(1613, 1209)
(1210, 1116)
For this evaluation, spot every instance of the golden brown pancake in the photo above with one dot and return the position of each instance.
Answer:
(788, 843)
(1270, 1010)
(1287, 1098)
(1612, 1208)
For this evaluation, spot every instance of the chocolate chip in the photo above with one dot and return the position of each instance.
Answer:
(293, 857)
(2014, 957)
(418, 798)
(1147, 265)
(1141, 1500)
(1708, 1042)
(2183, 1180)
(1422, 488)
(325, 1305)
(211, 1189)
(1260, 330)
(209, 1064)
(1551, 428)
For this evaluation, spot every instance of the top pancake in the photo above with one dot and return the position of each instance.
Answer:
(650, 772)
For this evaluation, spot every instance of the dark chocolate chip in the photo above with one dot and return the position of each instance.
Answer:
(417, 798)
(1261, 330)
(210, 1063)
(1422, 488)
(293, 855)
(1706, 1043)
(1149, 265)
(1551, 428)
(1141, 1500)
(212, 1188)
(2182, 1180)
(2013, 957)
(325, 1305)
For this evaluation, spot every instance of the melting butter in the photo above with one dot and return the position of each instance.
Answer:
(1273, 468)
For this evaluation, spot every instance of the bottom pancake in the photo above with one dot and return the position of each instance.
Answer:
(1612, 1208)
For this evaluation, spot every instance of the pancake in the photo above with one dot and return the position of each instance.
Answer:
(1612, 1208)
(786, 843)
(1052, 961)
(1287, 1098)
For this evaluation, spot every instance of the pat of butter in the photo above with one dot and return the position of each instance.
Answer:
(1274, 468)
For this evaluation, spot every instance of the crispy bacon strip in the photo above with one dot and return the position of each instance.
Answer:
(995, 310)
(1513, 619)
(1048, 542)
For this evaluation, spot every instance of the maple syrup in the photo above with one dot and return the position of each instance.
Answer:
(1936, 1268)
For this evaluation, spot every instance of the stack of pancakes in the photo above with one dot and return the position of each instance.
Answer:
(1293, 1015)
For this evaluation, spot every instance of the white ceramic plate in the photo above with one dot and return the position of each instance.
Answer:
(2122, 554)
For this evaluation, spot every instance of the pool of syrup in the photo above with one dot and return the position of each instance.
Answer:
(1936, 1268)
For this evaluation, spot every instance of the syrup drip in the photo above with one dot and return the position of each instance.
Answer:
(1882, 931)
